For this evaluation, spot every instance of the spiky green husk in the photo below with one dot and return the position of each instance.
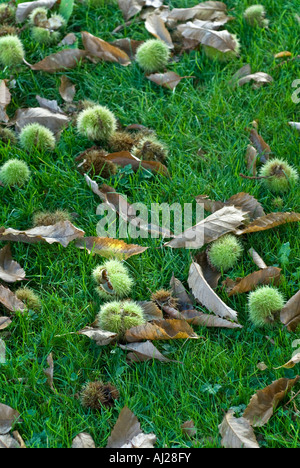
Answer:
(93, 160)
(14, 172)
(281, 176)
(118, 316)
(216, 54)
(263, 304)
(48, 218)
(7, 136)
(38, 17)
(44, 36)
(29, 297)
(121, 141)
(36, 136)
(153, 55)
(224, 253)
(97, 123)
(150, 148)
(7, 13)
(96, 394)
(255, 16)
(56, 21)
(11, 51)
(113, 280)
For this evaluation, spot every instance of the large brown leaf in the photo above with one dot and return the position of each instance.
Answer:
(5, 98)
(108, 247)
(269, 221)
(156, 26)
(63, 233)
(220, 40)
(225, 220)
(263, 404)
(52, 120)
(101, 337)
(168, 329)
(9, 300)
(4, 322)
(8, 416)
(60, 61)
(124, 158)
(66, 89)
(259, 143)
(98, 49)
(24, 9)
(209, 10)
(168, 79)
(237, 432)
(130, 8)
(10, 271)
(143, 351)
(242, 200)
(290, 314)
(269, 275)
(206, 296)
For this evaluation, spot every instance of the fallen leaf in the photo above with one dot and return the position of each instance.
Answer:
(168, 79)
(188, 428)
(166, 329)
(206, 296)
(125, 158)
(49, 371)
(83, 441)
(237, 432)
(266, 276)
(130, 8)
(264, 403)
(60, 61)
(8, 442)
(63, 233)
(52, 120)
(210, 10)
(291, 363)
(69, 39)
(24, 9)
(9, 300)
(220, 40)
(101, 50)
(261, 146)
(241, 200)
(101, 337)
(51, 105)
(269, 221)
(66, 89)
(257, 259)
(290, 314)
(127, 433)
(156, 26)
(4, 322)
(109, 248)
(5, 98)
(129, 46)
(10, 271)
(8, 417)
(143, 351)
(260, 79)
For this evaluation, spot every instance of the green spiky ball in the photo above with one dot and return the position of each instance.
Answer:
(118, 316)
(49, 218)
(11, 51)
(153, 55)
(38, 17)
(263, 304)
(97, 123)
(224, 253)
(14, 173)
(112, 279)
(149, 148)
(36, 136)
(29, 297)
(44, 36)
(7, 13)
(281, 176)
(255, 16)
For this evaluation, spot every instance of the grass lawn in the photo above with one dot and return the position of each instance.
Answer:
(219, 370)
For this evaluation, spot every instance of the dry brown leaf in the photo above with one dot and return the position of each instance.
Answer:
(127, 433)
(101, 337)
(63, 233)
(49, 371)
(130, 8)
(156, 26)
(241, 200)
(9, 300)
(210, 10)
(5, 98)
(290, 314)
(51, 105)
(4, 322)
(10, 271)
(237, 432)
(269, 221)
(66, 89)
(206, 296)
(143, 351)
(257, 259)
(220, 40)
(109, 248)
(69, 39)
(129, 46)
(24, 9)
(52, 120)
(60, 61)
(168, 329)
(83, 441)
(263, 404)
(291, 363)
(8, 417)
(124, 158)
(8, 442)
(151, 311)
(269, 275)
(188, 428)
(168, 79)
(98, 49)
(259, 143)
(260, 79)
(225, 220)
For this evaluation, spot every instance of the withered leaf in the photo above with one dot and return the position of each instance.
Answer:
(4, 322)
(168, 79)
(291, 363)
(66, 89)
(109, 248)
(8, 442)
(206, 296)
(251, 157)
(260, 78)
(242, 200)
(225, 220)
(52, 120)
(290, 314)
(124, 158)
(130, 8)
(188, 428)
(5, 98)
(257, 258)
(8, 416)
(209, 10)
(129, 46)
(127, 433)
(263, 403)
(151, 311)
(9, 300)
(50, 104)
(60, 61)
(195, 317)
(69, 39)
(269, 275)
(98, 49)
(24, 9)
(156, 26)
(49, 371)
(211, 275)
(101, 337)
(63, 233)
(237, 432)
(143, 351)
(269, 221)
(10, 271)
(220, 40)
(83, 440)
(259, 143)
(166, 329)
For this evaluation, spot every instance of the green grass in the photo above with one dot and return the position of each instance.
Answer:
(219, 370)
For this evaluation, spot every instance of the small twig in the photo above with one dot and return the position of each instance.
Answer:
(293, 398)
(254, 177)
